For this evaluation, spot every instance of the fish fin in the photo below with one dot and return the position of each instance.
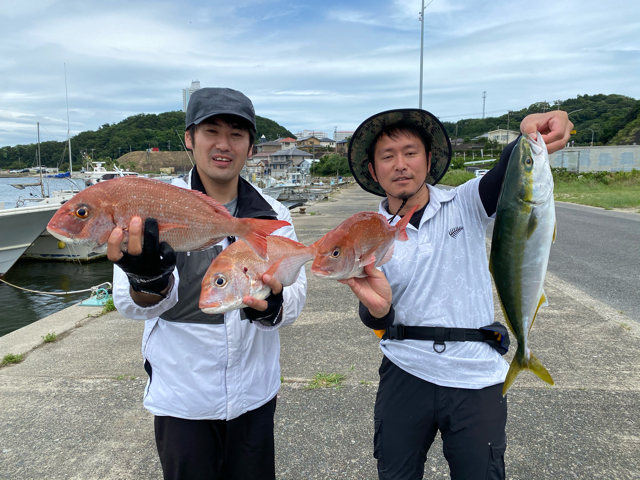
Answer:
(517, 365)
(364, 261)
(257, 231)
(533, 224)
(401, 226)
(555, 230)
(379, 333)
(536, 367)
(387, 256)
(273, 268)
(542, 303)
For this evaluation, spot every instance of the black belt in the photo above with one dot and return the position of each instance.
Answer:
(496, 335)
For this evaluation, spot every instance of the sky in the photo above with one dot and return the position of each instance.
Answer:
(307, 65)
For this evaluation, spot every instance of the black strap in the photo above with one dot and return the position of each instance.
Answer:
(496, 335)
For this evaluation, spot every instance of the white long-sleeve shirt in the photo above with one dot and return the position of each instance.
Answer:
(210, 371)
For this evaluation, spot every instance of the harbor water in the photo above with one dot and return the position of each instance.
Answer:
(19, 308)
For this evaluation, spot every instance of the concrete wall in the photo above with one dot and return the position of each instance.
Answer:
(615, 158)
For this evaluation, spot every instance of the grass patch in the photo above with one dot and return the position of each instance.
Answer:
(326, 380)
(606, 190)
(312, 213)
(109, 306)
(10, 359)
(50, 338)
(125, 377)
(455, 178)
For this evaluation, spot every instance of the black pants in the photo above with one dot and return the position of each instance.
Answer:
(410, 411)
(238, 449)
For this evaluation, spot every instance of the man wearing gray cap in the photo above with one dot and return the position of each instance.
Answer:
(213, 379)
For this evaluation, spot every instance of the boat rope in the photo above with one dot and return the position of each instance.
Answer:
(93, 290)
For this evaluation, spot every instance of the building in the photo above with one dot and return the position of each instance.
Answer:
(502, 136)
(288, 161)
(287, 142)
(267, 147)
(186, 93)
(311, 133)
(341, 135)
(342, 146)
(327, 142)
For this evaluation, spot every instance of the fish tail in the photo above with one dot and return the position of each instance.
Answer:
(519, 363)
(256, 232)
(536, 367)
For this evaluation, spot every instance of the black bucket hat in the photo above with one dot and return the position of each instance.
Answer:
(207, 102)
(359, 155)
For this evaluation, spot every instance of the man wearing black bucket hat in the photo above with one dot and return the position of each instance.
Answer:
(213, 379)
(432, 304)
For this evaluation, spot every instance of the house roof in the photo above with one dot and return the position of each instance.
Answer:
(344, 141)
(288, 139)
(274, 142)
(325, 139)
(293, 151)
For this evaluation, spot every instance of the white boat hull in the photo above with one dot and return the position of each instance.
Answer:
(47, 247)
(19, 227)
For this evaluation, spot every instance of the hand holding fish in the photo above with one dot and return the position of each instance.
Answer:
(261, 305)
(149, 266)
(373, 290)
(554, 126)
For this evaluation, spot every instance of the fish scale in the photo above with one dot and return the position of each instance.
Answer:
(187, 219)
(522, 236)
(240, 272)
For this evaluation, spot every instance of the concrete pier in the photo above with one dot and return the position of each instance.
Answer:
(72, 409)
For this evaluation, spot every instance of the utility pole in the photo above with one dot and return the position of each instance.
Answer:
(484, 96)
(508, 115)
(422, 46)
(169, 145)
(118, 152)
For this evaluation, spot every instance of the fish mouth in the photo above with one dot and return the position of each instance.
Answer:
(213, 307)
(60, 234)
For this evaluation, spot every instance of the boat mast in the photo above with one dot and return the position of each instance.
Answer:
(40, 163)
(68, 127)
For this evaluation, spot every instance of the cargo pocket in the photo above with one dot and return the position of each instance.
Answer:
(496, 462)
(377, 440)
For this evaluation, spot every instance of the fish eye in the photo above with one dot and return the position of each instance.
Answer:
(335, 253)
(82, 212)
(219, 280)
(528, 161)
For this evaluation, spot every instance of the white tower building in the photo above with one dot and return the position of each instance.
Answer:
(186, 93)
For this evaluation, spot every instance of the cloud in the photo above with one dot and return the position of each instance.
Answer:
(305, 64)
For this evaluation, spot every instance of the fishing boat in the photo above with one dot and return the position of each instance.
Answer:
(100, 174)
(21, 226)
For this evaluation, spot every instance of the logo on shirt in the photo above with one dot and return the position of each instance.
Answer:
(455, 231)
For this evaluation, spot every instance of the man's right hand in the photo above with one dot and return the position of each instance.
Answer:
(148, 266)
(373, 291)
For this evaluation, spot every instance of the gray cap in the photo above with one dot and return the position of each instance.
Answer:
(207, 102)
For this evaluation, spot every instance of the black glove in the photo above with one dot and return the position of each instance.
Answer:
(151, 271)
(269, 317)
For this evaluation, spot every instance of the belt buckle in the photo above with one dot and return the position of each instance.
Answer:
(395, 332)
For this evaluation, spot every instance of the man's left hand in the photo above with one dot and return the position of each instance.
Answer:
(554, 126)
(261, 305)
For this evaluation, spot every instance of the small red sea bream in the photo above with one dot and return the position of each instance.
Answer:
(237, 272)
(187, 220)
(361, 239)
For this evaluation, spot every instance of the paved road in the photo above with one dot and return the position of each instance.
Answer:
(598, 252)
